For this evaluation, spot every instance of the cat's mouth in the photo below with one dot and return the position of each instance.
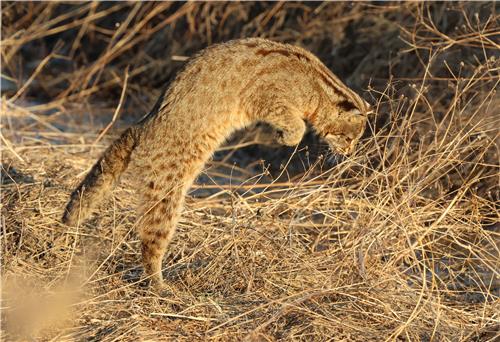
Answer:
(341, 150)
(342, 144)
(337, 147)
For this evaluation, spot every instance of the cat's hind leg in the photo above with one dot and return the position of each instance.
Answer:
(158, 216)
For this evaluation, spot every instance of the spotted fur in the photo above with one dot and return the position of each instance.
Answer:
(222, 89)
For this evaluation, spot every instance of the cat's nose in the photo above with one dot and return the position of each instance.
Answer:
(345, 151)
(350, 149)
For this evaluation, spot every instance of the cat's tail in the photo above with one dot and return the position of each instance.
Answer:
(102, 178)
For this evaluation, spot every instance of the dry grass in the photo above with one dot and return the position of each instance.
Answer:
(400, 241)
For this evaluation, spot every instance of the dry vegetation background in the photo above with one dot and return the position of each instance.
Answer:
(398, 242)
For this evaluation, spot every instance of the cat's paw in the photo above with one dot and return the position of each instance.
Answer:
(289, 137)
(161, 289)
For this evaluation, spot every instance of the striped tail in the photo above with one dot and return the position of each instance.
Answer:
(101, 179)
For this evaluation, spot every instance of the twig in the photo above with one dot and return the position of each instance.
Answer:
(117, 110)
(193, 318)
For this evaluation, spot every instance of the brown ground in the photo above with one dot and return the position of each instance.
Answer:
(400, 241)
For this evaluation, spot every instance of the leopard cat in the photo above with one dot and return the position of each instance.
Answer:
(223, 88)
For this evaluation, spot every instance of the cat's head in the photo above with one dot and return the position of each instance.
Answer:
(343, 123)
